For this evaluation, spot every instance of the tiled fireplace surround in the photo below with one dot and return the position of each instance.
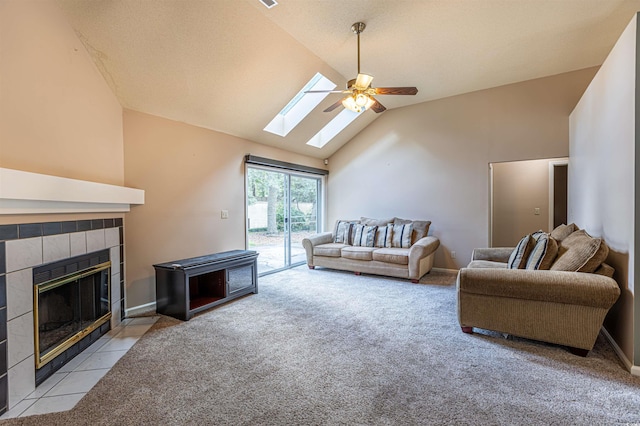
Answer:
(23, 247)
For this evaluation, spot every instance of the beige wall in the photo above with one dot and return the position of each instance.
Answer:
(189, 175)
(601, 175)
(57, 114)
(431, 160)
(519, 187)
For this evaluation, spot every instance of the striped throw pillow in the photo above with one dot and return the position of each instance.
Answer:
(518, 258)
(544, 251)
(402, 235)
(343, 232)
(383, 236)
(364, 236)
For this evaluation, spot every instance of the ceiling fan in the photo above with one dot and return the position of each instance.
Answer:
(360, 93)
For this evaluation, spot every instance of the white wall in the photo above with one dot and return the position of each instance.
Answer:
(431, 160)
(602, 170)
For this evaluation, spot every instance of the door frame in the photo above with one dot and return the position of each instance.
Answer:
(557, 162)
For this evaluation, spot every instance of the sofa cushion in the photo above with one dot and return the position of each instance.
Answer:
(401, 236)
(375, 222)
(399, 256)
(357, 253)
(580, 252)
(342, 233)
(544, 252)
(329, 249)
(563, 231)
(486, 264)
(364, 236)
(518, 258)
(383, 235)
(420, 227)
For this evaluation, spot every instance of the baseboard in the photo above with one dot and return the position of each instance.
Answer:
(140, 309)
(633, 369)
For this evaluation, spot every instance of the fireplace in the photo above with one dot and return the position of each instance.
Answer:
(68, 308)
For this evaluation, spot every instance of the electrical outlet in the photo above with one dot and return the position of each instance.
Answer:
(453, 254)
(224, 214)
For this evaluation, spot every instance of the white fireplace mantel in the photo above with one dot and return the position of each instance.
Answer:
(33, 193)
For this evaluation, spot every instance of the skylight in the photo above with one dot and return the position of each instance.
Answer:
(332, 128)
(300, 106)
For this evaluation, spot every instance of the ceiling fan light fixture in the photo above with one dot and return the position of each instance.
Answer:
(363, 81)
(359, 102)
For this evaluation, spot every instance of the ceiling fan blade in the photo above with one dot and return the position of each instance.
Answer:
(333, 106)
(363, 81)
(396, 90)
(377, 107)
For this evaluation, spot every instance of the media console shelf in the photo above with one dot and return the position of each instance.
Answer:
(188, 286)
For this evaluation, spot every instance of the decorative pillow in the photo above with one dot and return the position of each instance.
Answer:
(420, 227)
(518, 258)
(402, 235)
(580, 252)
(383, 236)
(377, 222)
(343, 232)
(563, 231)
(364, 236)
(543, 253)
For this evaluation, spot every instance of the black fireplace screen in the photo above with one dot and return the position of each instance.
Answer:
(68, 308)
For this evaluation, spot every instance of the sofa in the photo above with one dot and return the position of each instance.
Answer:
(392, 247)
(553, 287)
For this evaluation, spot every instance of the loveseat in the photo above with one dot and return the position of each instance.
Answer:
(392, 247)
(552, 287)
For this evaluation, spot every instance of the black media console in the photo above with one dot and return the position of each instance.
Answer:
(188, 286)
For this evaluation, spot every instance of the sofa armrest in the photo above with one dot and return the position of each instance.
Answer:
(314, 240)
(494, 254)
(422, 248)
(574, 288)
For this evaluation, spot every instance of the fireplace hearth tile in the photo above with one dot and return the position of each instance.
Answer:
(77, 382)
(19, 293)
(47, 385)
(23, 253)
(101, 359)
(3, 258)
(56, 247)
(53, 404)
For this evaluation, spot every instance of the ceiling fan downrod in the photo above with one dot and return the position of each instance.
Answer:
(357, 28)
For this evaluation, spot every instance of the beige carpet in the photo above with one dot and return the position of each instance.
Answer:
(327, 347)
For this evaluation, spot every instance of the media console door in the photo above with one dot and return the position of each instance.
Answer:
(188, 286)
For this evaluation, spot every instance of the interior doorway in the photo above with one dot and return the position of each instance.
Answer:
(526, 196)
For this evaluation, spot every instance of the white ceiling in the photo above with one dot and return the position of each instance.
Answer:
(232, 65)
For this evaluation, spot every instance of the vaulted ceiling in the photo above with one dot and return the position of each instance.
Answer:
(232, 65)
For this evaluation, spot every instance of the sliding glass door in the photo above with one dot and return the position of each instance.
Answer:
(282, 208)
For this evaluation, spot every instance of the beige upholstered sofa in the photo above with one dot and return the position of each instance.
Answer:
(392, 247)
(565, 304)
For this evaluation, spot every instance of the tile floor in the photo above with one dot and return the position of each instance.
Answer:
(63, 390)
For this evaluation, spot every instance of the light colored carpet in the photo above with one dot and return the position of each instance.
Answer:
(327, 347)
